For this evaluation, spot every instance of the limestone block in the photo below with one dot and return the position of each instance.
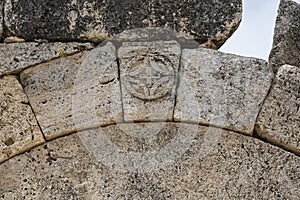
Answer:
(221, 89)
(76, 92)
(286, 43)
(96, 100)
(217, 165)
(15, 57)
(19, 130)
(148, 73)
(206, 21)
(209, 22)
(279, 119)
(55, 20)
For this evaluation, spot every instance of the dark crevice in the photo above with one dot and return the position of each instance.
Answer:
(267, 95)
(177, 83)
(7, 33)
(25, 103)
(12, 73)
(116, 43)
(5, 30)
(53, 40)
(255, 135)
(273, 143)
(28, 104)
(120, 83)
(108, 82)
(9, 141)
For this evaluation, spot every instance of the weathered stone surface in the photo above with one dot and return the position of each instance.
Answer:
(1, 19)
(279, 119)
(55, 20)
(74, 92)
(147, 34)
(15, 57)
(148, 73)
(218, 165)
(19, 130)
(286, 43)
(221, 89)
(213, 21)
(96, 20)
(205, 21)
(96, 98)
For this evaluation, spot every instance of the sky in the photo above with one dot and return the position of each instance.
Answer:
(254, 36)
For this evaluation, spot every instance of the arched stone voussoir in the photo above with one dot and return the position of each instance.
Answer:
(221, 89)
(19, 56)
(215, 164)
(279, 119)
(149, 74)
(19, 130)
(75, 92)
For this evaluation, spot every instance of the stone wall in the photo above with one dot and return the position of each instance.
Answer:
(119, 100)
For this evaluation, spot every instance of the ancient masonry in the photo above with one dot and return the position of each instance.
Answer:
(132, 100)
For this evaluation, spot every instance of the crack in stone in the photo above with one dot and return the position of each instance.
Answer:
(254, 136)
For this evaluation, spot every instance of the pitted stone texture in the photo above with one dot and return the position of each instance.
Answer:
(74, 20)
(148, 73)
(279, 119)
(96, 20)
(19, 130)
(147, 34)
(67, 96)
(208, 22)
(51, 171)
(286, 43)
(1, 19)
(236, 167)
(96, 98)
(221, 89)
(15, 57)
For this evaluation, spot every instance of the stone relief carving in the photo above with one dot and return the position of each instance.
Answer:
(149, 77)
